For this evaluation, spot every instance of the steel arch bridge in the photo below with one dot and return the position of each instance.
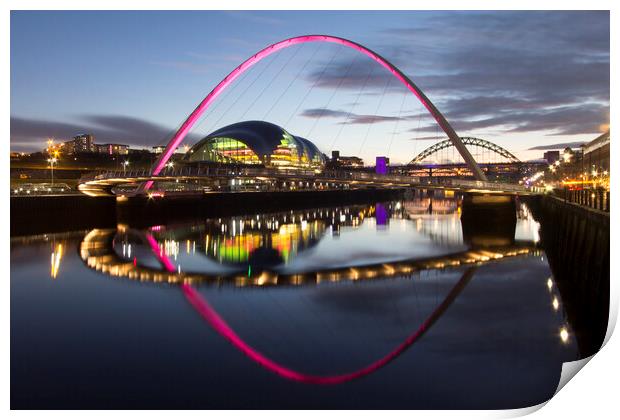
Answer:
(469, 141)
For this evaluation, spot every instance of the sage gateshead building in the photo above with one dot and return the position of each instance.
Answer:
(257, 143)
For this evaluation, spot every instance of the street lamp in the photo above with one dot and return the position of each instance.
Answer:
(567, 157)
(170, 165)
(125, 165)
(52, 162)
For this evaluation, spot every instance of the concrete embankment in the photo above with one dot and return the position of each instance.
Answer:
(488, 220)
(32, 215)
(50, 214)
(576, 241)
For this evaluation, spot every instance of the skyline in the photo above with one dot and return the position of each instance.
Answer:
(518, 79)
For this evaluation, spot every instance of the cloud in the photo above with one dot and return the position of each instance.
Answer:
(30, 134)
(351, 118)
(506, 71)
(323, 112)
(426, 138)
(510, 116)
(569, 120)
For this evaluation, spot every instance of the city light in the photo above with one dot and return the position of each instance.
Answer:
(567, 157)
(55, 261)
(52, 162)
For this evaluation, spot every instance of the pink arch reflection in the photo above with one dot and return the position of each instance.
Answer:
(232, 76)
(221, 326)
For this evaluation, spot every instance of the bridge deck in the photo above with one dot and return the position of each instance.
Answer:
(101, 184)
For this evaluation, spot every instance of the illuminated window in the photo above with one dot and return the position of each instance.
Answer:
(286, 154)
(224, 150)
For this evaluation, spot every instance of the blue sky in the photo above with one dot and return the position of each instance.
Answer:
(519, 79)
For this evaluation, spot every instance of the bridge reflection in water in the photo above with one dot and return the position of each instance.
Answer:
(255, 250)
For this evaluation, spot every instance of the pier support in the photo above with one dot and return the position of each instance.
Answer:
(488, 220)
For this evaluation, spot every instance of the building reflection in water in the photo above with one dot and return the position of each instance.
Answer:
(527, 228)
(258, 244)
(257, 241)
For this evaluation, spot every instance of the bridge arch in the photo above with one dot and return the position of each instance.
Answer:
(469, 141)
(191, 120)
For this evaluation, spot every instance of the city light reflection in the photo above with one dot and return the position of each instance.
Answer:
(56, 258)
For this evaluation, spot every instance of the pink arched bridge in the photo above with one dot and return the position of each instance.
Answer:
(191, 120)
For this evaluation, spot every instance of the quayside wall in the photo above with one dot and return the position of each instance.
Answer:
(32, 215)
(576, 240)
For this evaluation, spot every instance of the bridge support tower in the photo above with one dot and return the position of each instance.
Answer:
(488, 219)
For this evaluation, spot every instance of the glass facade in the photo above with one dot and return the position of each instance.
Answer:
(257, 143)
(224, 150)
(286, 154)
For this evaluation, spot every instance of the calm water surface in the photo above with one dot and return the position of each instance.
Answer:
(303, 309)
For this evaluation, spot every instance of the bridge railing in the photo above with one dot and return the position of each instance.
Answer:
(310, 175)
(597, 199)
(41, 188)
(483, 185)
(251, 172)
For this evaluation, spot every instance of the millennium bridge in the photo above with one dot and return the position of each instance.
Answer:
(106, 183)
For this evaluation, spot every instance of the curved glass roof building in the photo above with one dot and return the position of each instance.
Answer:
(257, 143)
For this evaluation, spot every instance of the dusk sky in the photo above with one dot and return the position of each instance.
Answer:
(518, 79)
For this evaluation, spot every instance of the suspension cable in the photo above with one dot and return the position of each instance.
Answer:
(417, 135)
(405, 95)
(242, 94)
(316, 82)
(331, 97)
(268, 85)
(359, 94)
(389, 80)
(212, 109)
(293, 80)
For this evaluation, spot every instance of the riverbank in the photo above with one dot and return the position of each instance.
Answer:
(576, 240)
